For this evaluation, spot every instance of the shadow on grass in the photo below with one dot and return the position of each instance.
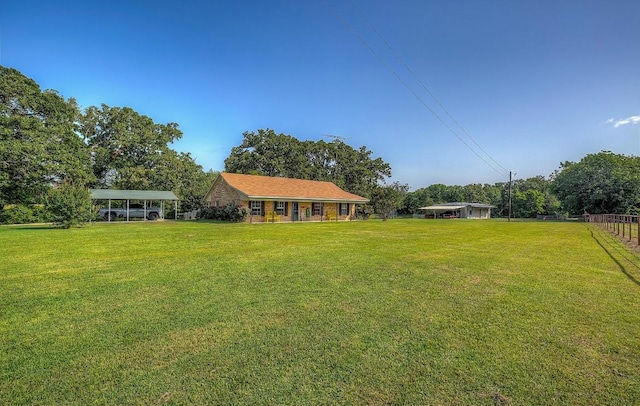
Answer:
(32, 226)
(623, 253)
(41, 226)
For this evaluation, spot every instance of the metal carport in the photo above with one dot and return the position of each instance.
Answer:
(461, 209)
(141, 195)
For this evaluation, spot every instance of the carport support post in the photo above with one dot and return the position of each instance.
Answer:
(109, 212)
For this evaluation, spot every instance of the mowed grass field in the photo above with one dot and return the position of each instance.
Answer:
(450, 312)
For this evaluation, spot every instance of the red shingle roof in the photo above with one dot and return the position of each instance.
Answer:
(266, 187)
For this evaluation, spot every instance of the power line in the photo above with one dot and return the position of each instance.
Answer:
(390, 69)
(373, 28)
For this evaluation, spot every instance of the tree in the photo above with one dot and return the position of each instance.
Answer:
(474, 193)
(438, 192)
(412, 201)
(388, 198)
(127, 148)
(270, 154)
(69, 204)
(528, 204)
(45, 142)
(39, 143)
(600, 183)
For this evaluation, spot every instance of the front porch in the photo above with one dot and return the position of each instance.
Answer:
(278, 211)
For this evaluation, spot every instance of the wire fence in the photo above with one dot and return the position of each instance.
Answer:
(625, 226)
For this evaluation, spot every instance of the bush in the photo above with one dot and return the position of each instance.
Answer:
(231, 212)
(23, 214)
(69, 205)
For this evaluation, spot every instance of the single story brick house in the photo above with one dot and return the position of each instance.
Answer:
(271, 199)
(459, 209)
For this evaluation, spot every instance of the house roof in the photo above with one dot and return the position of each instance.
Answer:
(457, 206)
(113, 194)
(258, 187)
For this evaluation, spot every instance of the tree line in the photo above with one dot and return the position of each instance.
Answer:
(603, 182)
(529, 197)
(52, 151)
(48, 144)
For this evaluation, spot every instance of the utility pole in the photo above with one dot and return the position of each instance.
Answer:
(510, 175)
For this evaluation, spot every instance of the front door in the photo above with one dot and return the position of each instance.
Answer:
(294, 211)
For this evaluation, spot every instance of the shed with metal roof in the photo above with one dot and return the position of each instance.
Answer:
(460, 209)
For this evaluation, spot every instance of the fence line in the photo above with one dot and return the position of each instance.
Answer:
(625, 226)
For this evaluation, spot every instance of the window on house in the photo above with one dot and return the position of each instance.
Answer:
(344, 209)
(317, 209)
(256, 208)
(280, 208)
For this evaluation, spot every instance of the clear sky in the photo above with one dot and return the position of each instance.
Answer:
(531, 83)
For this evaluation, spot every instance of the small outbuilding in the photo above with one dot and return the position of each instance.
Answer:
(459, 210)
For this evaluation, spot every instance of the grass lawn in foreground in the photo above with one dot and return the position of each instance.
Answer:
(401, 312)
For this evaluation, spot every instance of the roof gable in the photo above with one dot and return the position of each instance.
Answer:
(272, 188)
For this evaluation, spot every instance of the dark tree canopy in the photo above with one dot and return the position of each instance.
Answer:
(600, 183)
(127, 147)
(131, 151)
(529, 197)
(266, 153)
(46, 142)
(39, 145)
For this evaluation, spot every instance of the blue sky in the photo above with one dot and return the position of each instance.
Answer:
(534, 83)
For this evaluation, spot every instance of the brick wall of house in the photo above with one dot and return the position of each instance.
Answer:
(222, 194)
(305, 212)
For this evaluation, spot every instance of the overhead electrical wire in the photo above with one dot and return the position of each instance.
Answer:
(415, 94)
(373, 28)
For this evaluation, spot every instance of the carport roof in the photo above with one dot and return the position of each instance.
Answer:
(441, 207)
(113, 194)
(457, 206)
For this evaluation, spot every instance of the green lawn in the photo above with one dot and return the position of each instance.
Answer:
(404, 312)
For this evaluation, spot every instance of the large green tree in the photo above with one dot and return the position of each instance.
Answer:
(600, 183)
(180, 173)
(39, 142)
(126, 147)
(267, 153)
(131, 151)
(46, 142)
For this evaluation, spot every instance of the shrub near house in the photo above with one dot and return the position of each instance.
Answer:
(233, 212)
